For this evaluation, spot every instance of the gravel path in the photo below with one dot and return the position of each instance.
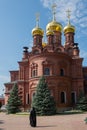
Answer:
(58, 122)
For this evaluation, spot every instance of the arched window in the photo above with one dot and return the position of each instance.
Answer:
(0, 104)
(46, 71)
(68, 37)
(34, 70)
(59, 50)
(63, 97)
(33, 95)
(73, 97)
(61, 72)
(36, 52)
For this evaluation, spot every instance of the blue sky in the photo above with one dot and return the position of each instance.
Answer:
(17, 19)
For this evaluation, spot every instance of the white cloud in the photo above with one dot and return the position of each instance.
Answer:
(83, 22)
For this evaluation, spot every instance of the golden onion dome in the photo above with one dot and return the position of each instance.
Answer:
(49, 32)
(37, 31)
(54, 26)
(69, 28)
(44, 44)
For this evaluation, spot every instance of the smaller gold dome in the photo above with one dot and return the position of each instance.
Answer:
(49, 32)
(44, 44)
(37, 31)
(54, 26)
(69, 28)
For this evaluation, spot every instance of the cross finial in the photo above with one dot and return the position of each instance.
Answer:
(37, 19)
(68, 15)
(54, 11)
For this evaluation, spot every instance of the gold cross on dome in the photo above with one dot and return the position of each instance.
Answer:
(37, 19)
(54, 11)
(54, 6)
(68, 15)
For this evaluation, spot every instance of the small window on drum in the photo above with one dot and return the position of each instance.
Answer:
(46, 71)
(61, 72)
(36, 52)
(59, 50)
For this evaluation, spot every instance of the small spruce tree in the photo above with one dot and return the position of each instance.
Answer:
(82, 103)
(14, 102)
(43, 101)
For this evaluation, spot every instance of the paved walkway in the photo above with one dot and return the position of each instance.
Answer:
(58, 122)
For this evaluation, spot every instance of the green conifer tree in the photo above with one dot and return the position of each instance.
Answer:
(14, 102)
(82, 103)
(43, 101)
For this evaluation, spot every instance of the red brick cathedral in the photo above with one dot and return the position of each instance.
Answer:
(60, 63)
